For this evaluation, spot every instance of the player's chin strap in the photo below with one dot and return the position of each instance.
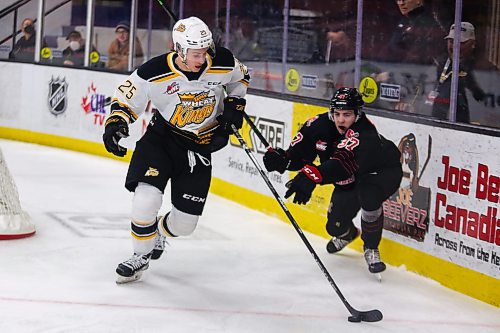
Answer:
(183, 57)
(184, 60)
(356, 316)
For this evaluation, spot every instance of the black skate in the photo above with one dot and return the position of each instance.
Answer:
(159, 247)
(160, 240)
(372, 257)
(131, 270)
(338, 243)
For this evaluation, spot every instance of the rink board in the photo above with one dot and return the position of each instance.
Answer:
(442, 223)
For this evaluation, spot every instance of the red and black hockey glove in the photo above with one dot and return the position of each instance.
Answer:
(116, 128)
(232, 114)
(303, 184)
(340, 169)
(276, 160)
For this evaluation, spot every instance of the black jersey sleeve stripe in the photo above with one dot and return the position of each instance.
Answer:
(246, 77)
(245, 82)
(117, 107)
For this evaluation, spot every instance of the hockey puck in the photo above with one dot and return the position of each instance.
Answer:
(354, 319)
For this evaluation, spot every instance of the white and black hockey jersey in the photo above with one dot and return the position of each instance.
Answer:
(186, 108)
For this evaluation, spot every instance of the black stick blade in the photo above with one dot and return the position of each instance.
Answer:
(368, 316)
(371, 316)
(354, 319)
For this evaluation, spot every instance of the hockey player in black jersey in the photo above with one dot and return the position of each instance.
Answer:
(188, 87)
(364, 167)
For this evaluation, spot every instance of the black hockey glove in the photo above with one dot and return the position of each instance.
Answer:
(232, 114)
(303, 184)
(276, 160)
(116, 128)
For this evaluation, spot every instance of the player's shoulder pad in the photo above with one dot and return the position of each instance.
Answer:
(157, 66)
(318, 120)
(365, 123)
(324, 117)
(223, 57)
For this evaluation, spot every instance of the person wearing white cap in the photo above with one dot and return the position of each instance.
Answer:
(440, 97)
(467, 40)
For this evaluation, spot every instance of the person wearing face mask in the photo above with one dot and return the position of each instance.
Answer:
(74, 54)
(364, 166)
(24, 49)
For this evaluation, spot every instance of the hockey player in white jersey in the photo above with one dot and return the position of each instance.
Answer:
(188, 87)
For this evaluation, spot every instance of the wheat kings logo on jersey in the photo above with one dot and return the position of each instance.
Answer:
(58, 93)
(193, 109)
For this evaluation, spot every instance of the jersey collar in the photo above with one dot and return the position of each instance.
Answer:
(173, 66)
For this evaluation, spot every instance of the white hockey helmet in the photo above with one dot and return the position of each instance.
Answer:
(192, 33)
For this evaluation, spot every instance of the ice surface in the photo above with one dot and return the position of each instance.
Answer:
(241, 271)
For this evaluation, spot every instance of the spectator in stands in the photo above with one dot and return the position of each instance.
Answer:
(340, 46)
(440, 97)
(339, 26)
(74, 54)
(24, 49)
(240, 33)
(417, 36)
(118, 50)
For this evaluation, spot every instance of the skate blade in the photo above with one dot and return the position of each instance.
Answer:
(128, 279)
(377, 276)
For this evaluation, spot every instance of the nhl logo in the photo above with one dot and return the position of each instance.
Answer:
(58, 90)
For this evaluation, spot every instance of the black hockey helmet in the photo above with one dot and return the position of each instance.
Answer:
(346, 99)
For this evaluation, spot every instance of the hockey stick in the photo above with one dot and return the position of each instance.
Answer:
(168, 10)
(257, 131)
(356, 316)
(429, 148)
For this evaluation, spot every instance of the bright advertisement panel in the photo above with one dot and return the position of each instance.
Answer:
(447, 205)
(448, 201)
(273, 119)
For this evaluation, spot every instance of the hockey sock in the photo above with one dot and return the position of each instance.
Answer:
(143, 237)
(163, 228)
(372, 224)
